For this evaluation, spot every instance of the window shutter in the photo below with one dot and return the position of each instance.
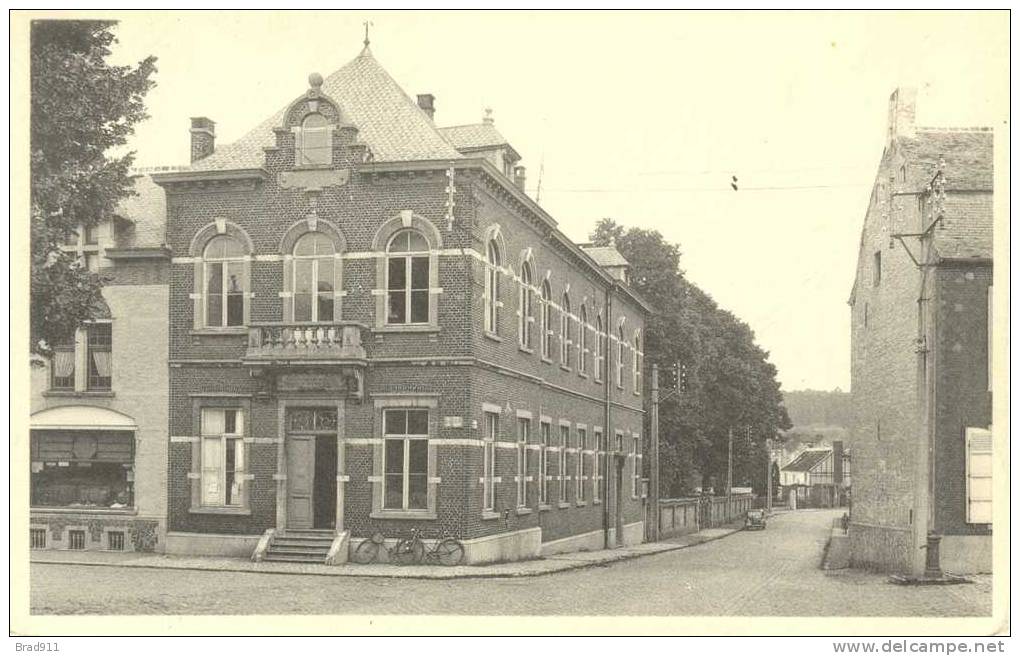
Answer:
(979, 476)
(199, 296)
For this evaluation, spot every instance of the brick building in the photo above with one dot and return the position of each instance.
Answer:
(920, 307)
(374, 329)
(98, 437)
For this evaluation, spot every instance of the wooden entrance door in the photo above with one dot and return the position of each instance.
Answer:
(300, 480)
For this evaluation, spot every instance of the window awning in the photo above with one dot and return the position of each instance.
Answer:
(81, 417)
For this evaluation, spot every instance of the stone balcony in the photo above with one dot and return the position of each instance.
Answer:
(300, 343)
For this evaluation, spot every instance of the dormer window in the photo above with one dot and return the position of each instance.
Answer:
(314, 144)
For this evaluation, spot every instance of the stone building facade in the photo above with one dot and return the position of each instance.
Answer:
(99, 406)
(921, 340)
(373, 329)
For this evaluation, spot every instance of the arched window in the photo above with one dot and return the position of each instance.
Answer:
(492, 288)
(620, 342)
(313, 279)
(637, 362)
(314, 141)
(600, 347)
(525, 303)
(547, 329)
(582, 346)
(224, 278)
(407, 278)
(565, 332)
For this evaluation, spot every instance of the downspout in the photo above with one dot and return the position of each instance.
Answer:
(607, 431)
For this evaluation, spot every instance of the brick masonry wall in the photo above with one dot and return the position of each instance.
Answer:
(415, 363)
(886, 425)
(962, 397)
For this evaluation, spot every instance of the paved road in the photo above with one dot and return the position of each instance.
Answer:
(771, 572)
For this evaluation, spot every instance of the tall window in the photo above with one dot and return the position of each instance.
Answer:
(561, 462)
(314, 141)
(224, 282)
(876, 272)
(407, 281)
(543, 464)
(581, 466)
(492, 287)
(620, 343)
(596, 475)
(635, 474)
(524, 306)
(100, 355)
(405, 459)
(636, 362)
(489, 461)
(582, 346)
(565, 332)
(222, 457)
(62, 367)
(523, 436)
(600, 352)
(546, 320)
(314, 264)
(97, 340)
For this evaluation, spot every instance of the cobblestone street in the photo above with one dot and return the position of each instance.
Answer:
(771, 572)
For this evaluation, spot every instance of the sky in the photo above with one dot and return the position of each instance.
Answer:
(642, 117)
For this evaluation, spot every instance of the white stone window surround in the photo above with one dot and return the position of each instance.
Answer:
(396, 402)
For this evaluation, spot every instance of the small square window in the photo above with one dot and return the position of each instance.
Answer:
(115, 540)
(76, 540)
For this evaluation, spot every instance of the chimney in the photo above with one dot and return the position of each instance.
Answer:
(203, 137)
(902, 106)
(837, 462)
(427, 102)
(520, 176)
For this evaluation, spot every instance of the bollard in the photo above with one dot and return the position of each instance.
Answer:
(931, 559)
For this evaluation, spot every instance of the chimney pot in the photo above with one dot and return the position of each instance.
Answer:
(427, 102)
(203, 137)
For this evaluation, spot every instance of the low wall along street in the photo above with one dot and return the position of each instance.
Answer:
(690, 515)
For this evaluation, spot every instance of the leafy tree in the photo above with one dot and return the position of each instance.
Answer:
(729, 381)
(81, 108)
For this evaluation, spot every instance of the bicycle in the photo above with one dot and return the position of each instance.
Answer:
(411, 550)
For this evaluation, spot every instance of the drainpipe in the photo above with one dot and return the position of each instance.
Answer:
(608, 430)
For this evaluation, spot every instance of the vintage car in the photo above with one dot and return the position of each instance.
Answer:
(755, 520)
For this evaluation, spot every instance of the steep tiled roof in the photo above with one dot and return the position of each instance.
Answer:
(807, 460)
(966, 231)
(967, 154)
(389, 122)
(145, 215)
(606, 256)
(476, 135)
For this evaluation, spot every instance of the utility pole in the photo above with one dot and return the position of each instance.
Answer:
(768, 477)
(729, 471)
(653, 487)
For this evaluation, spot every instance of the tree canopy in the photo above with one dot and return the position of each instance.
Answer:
(82, 107)
(729, 382)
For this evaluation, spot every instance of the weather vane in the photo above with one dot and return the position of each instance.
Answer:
(367, 24)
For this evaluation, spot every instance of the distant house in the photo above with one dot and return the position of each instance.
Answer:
(921, 345)
(818, 477)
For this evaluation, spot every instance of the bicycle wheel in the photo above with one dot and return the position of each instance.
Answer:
(449, 552)
(408, 551)
(366, 552)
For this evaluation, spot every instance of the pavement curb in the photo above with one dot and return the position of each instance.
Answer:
(563, 565)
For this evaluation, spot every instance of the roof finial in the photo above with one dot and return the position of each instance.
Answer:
(488, 116)
(367, 24)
